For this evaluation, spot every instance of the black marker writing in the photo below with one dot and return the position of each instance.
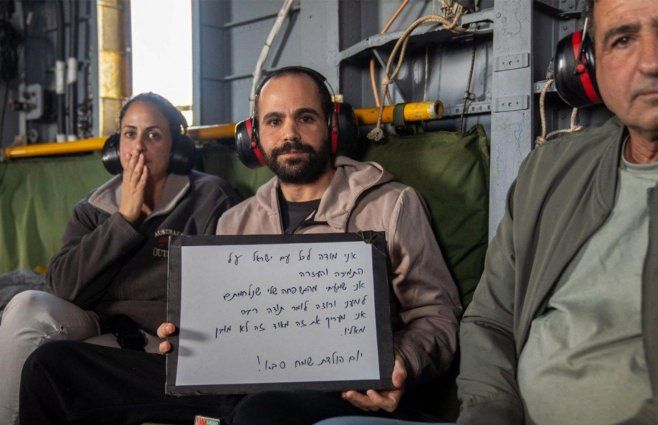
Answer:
(223, 330)
(250, 293)
(349, 256)
(233, 258)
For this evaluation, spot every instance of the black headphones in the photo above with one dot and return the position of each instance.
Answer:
(575, 72)
(182, 157)
(342, 123)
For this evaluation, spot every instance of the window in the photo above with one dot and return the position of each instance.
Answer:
(161, 33)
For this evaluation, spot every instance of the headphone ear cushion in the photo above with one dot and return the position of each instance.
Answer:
(246, 143)
(183, 154)
(575, 78)
(348, 130)
(111, 156)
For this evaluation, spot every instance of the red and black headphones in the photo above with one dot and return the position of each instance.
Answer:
(575, 73)
(342, 123)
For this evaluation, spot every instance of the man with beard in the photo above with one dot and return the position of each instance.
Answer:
(313, 192)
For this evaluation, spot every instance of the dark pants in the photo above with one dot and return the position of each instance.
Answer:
(300, 408)
(72, 382)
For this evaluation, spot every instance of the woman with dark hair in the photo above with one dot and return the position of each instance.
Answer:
(109, 279)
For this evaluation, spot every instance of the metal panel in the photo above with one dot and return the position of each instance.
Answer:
(230, 41)
(319, 32)
(511, 126)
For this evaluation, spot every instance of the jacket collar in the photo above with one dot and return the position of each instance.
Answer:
(108, 196)
(351, 180)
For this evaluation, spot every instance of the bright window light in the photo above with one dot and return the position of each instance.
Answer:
(162, 50)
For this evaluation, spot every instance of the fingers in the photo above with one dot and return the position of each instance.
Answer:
(387, 400)
(138, 171)
(130, 166)
(373, 400)
(164, 347)
(166, 329)
(360, 400)
(399, 376)
(141, 183)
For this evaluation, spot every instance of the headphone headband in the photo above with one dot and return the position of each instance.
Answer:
(341, 121)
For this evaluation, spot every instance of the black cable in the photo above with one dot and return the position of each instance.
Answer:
(2, 114)
(468, 95)
(10, 38)
(61, 53)
(73, 53)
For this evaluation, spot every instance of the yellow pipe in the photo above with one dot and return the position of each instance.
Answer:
(210, 132)
(45, 149)
(416, 111)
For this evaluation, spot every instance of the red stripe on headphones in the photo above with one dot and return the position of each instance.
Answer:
(254, 146)
(585, 79)
(334, 128)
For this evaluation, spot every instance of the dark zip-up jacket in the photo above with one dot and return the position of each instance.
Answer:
(113, 267)
(564, 192)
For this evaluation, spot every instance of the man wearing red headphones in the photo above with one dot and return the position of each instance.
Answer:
(315, 191)
(297, 131)
(563, 325)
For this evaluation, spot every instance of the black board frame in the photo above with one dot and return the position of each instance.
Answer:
(381, 291)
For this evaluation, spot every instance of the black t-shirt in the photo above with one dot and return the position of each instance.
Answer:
(293, 214)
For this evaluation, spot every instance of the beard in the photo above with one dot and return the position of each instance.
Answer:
(301, 170)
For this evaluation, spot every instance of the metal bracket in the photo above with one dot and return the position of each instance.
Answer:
(519, 60)
(474, 108)
(539, 85)
(512, 103)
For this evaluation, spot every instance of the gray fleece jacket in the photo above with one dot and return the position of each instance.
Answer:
(362, 196)
(112, 267)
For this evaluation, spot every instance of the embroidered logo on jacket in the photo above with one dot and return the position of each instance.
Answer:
(162, 241)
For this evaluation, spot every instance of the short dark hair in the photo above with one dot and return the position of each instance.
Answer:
(319, 79)
(175, 119)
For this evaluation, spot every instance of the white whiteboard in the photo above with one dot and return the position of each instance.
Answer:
(294, 311)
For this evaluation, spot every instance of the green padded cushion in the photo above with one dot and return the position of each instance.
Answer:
(222, 161)
(451, 172)
(36, 200)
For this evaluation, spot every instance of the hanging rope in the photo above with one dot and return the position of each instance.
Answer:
(573, 125)
(468, 94)
(373, 78)
(398, 53)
